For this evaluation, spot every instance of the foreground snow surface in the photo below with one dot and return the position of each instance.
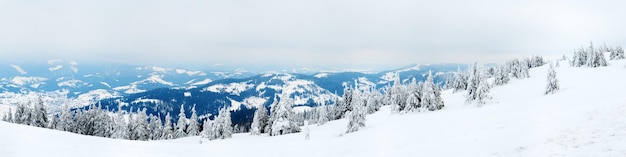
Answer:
(587, 117)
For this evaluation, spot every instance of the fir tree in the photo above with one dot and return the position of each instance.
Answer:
(120, 129)
(168, 130)
(155, 128)
(460, 80)
(259, 122)
(66, 123)
(553, 82)
(431, 95)
(617, 53)
(39, 114)
(141, 129)
(283, 118)
(181, 124)
(478, 88)
(501, 76)
(323, 115)
(356, 117)
(193, 128)
(223, 125)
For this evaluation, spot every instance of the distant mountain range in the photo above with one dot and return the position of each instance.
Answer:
(161, 90)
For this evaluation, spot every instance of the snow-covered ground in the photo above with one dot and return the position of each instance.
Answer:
(587, 117)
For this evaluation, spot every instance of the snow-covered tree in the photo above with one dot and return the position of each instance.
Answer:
(66, 123)
(120, 129)
(222, 128)
(431, 95)
(259, 122)
(307, 136)
(155, 128)
(478, 88)
(8, 116)
(501, 76)
(553, 82)
(208, 129)
(181, 124)
(323, 115)
(53, 120)
(39, 114)
(356, 117)
(168, 130)
(194, 128)
(283, 117)
(460, 80)
(141, 128)
(617, 53)
(22, 114)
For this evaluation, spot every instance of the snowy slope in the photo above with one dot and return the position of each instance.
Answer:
(585, 118)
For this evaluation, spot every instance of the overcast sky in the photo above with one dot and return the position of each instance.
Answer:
(336, 33)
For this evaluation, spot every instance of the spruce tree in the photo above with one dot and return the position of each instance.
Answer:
(141, 129)
(553, 82)
(168, 130)
(39, 114)
(283, 118)
(356, 117)
(154, 128)
(478, 88)
(120, 129)
(193, 128)
(323, 115)
(460, 80)
(259, 121)
(181, 124)
(66, 123)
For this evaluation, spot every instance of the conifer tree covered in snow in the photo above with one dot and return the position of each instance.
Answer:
(194, 128)
(39, 115)
(323, 114)
(168, 128)
(617, 53)
(460, 80)
(431, 95)
(590, 57)
(207, 129)
(501, 76)
(478, 88)
(141, 126)
(155, 128)
(553, 82)
(222, 128)
(181, 124)
(356, 117)
(307, 136)
(66, 123)
(8, 116)
(259, 121)
(283, 117)
(120, 129)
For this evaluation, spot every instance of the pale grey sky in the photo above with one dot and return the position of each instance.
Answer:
(341, 33)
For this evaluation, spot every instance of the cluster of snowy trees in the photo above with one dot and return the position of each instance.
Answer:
(33, 114)
(95, 121)
(475, 82)
(415, 96)
(594, 57)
